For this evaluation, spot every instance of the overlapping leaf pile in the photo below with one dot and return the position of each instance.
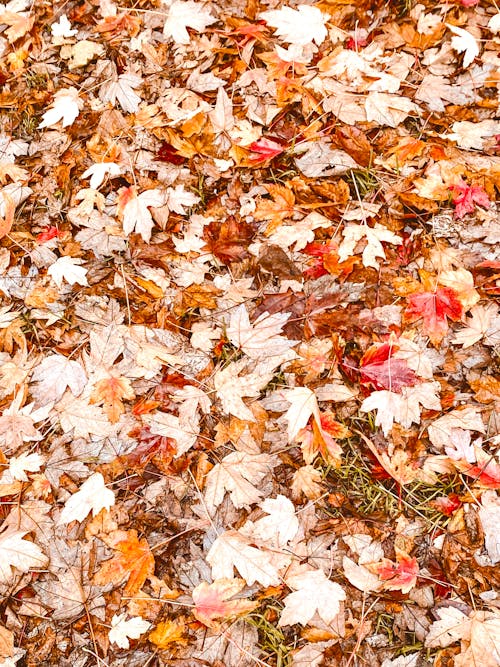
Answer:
(249, 333)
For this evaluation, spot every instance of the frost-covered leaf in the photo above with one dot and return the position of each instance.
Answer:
(54, 374)
(261, 338)
(65, 107)
(186, 14)
(232, 550)
(464, 42)
(313, 594)
(68, 269)
(16, 553)
(122, 629)
(299, 26)
(93, 496)
(374, 237)
(239, 474)
(122, 90)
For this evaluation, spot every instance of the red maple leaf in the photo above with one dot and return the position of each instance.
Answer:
(466, 197)
(264, 149)
(379, 368)
(433, 308)
(401, 575)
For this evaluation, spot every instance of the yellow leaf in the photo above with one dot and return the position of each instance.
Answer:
(169, 632)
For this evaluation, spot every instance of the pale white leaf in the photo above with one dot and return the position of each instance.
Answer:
(360, 576)
(20, 465)
(319, 159)
(54, 374)
(68, 269)
(232, 387)
(374, 237)
(97, 172)
(483, 322)
(18, 553)
(388, 407)
(388, 109)
(494, 23)
(278, 528)
(489, 515)
(121, 90)
(93, 496)
(314, 593)
(62, 28)
(122, 629)
(440, 429)
(233, 550)
(239, 474)
(260, 339)
(183, 15)
(136, 214)
(303, 405)
(464, 42)
(472, 135)
(451, 626)
(221, 117)
(179, 199)
(65, 107)
(299, 26)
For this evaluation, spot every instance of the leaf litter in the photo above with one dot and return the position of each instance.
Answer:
(249, 333)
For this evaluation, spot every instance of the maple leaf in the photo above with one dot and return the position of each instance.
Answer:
(169, 632)
(280, 207)
(379, 367)
(228, 240)
(19, 554)
(489, 515)
(20, 465)
(20, 22)
(465, 196)
(464, 42)
(234, 550)
(265, 149)
(231, 387)
(110, 393)
(471, 135)
(133, 562)
(483, 323)
(261, 339)
(353, 233)
(238, 473)
(93, 496)
(401, 575)
(303, 405)
(308, 481)
(299, 26)
(65, 107)
(54, 375)
(122, 90)
(134, 209)
(62, 28)
(212, 601)
(433, 308)
(68, 269)
(183, 15)
(122, 629)
(314, 594)
(97, 173)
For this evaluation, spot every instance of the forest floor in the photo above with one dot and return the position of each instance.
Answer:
(249, 333)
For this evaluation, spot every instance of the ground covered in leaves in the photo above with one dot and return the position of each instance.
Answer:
(249, 333)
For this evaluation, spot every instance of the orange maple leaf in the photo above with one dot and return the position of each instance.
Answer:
(133, 562)
(110, 393)
(401, 575)
(169, 632)
(277, 209)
